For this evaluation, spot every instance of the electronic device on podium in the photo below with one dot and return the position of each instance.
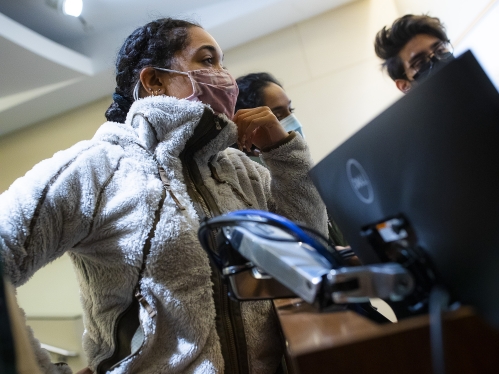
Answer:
(419, 186)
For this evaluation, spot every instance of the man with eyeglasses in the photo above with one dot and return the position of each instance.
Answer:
(413, 49)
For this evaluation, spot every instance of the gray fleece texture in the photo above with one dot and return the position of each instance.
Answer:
(97, 201)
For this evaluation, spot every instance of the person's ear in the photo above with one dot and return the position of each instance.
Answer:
(403, 85)
(152, 82)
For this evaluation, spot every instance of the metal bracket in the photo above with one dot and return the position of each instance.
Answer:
(359, 284)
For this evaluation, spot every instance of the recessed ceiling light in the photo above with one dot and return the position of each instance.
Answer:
(72, 7)
(67, 7)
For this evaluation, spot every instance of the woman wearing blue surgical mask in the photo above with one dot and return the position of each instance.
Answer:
(262, 89)
(127, 204)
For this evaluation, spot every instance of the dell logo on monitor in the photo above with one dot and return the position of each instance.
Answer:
(359, 181)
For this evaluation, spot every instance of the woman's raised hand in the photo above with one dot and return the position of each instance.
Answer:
(259, 127)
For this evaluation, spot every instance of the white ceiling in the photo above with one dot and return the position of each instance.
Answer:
(52, 63)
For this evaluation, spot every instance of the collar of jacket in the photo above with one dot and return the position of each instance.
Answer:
(172, 123)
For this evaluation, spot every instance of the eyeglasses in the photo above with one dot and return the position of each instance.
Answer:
(423, 64)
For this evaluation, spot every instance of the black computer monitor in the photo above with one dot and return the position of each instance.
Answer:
(433, 159)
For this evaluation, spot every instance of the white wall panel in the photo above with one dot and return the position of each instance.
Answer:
(455, 14)
(481, 40)
(328, 67)
(334, 106)
(280, 53)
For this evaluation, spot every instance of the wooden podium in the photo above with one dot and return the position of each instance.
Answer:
(346, 343)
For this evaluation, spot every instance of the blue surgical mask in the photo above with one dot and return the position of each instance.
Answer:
(290, 123)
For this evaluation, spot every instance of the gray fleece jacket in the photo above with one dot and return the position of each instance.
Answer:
(97, 201)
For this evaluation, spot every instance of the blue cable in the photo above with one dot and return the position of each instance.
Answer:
(290, 226)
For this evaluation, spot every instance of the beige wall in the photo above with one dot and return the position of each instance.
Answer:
(21, 150)
(326, 64)
(328, 68)
(62, 333)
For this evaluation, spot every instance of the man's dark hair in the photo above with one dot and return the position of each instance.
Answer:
(251, 88)
(154, 44)
(389, 42)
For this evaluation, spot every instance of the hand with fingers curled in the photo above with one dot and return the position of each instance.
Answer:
(258, 127)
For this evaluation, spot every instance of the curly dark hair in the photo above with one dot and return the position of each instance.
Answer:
(154, 44)
(251, 88)
(389, 42)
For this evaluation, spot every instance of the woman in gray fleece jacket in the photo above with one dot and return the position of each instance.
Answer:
(142, 184)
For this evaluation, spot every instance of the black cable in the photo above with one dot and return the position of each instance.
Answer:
(344, 254)
(316, 233)
(335, 258)
(438, 302)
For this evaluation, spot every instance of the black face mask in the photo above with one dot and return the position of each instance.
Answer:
(433, 65)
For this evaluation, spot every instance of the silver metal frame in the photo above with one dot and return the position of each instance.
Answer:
(302, 270)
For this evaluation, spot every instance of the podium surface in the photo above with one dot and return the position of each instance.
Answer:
(344, 342)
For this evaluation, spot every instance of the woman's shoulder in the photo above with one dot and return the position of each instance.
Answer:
(82, 156)
(99, 153)
(90, 149)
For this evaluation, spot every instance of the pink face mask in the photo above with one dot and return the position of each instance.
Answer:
(214, 87)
